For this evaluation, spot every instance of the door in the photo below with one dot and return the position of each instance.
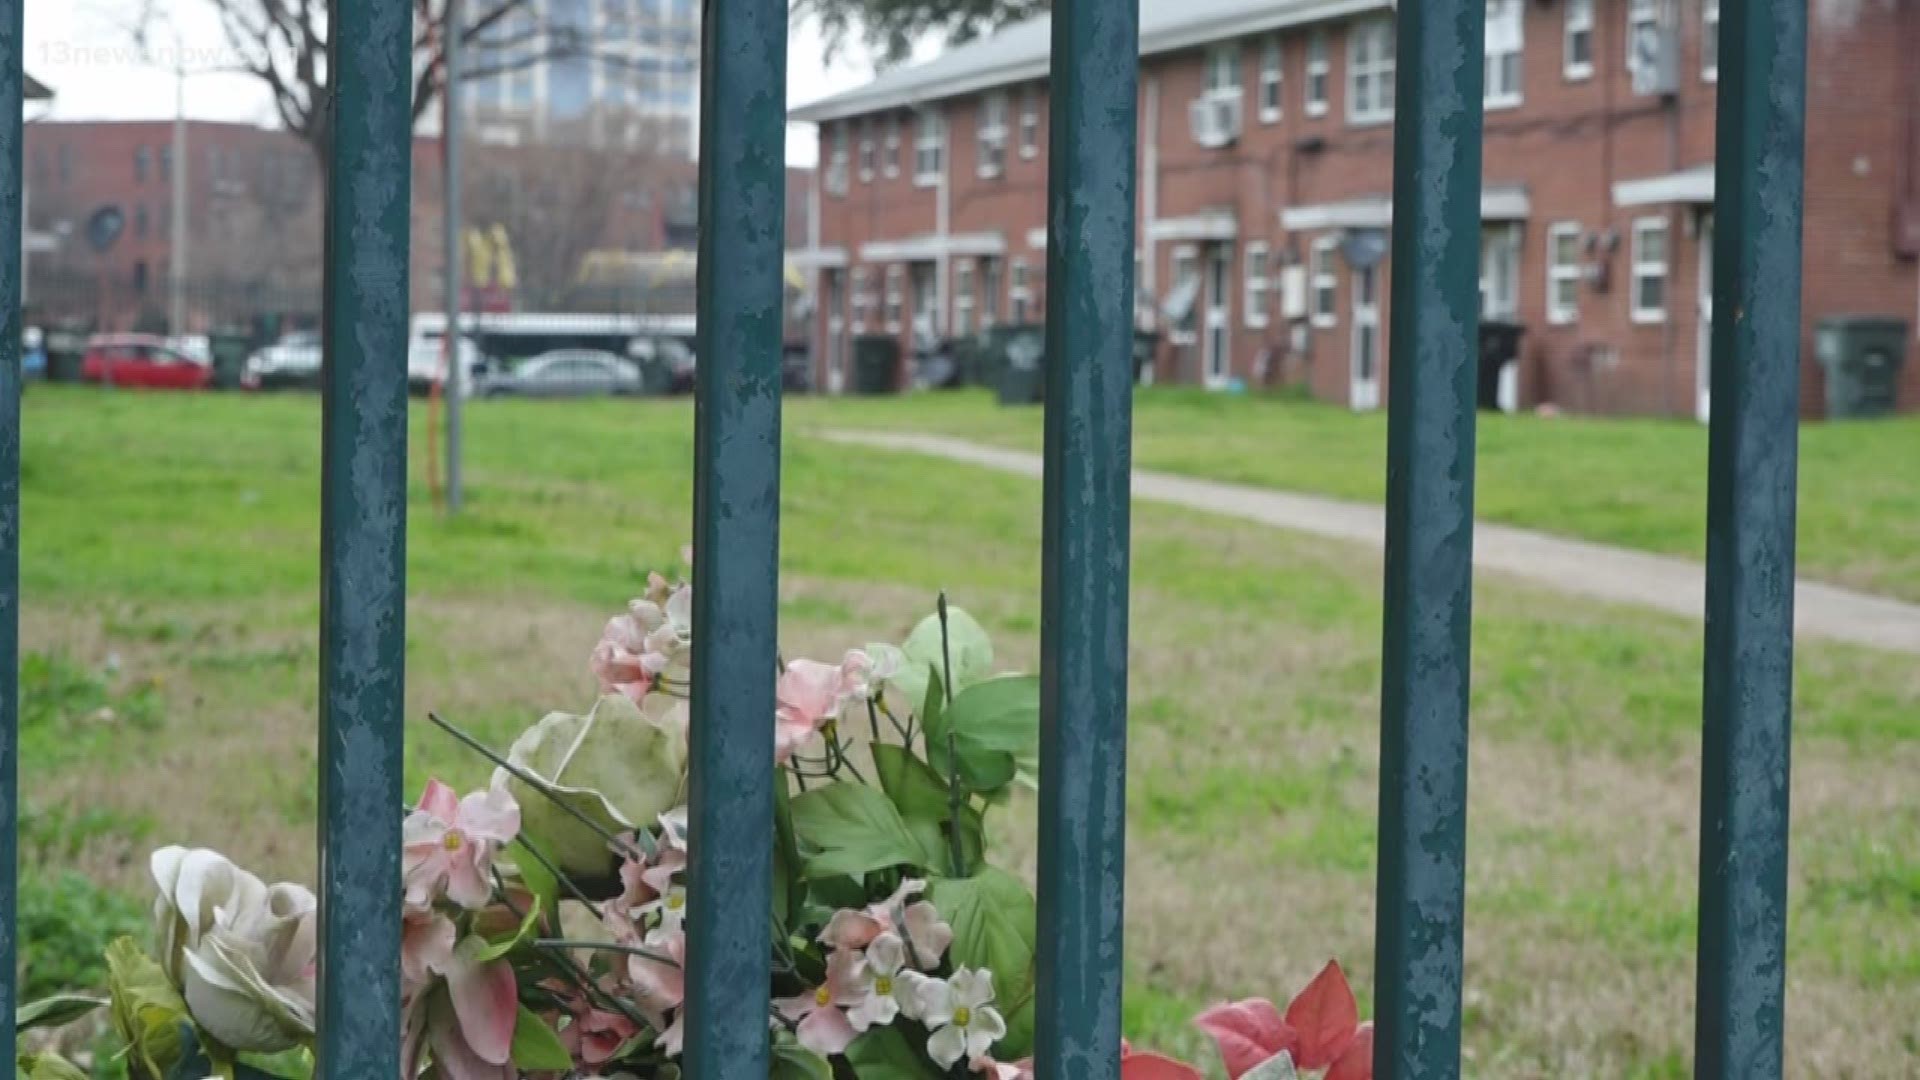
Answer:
(1217, 367)
(1703, 357)
(926, 305)
(1365, 393)
(836, 343)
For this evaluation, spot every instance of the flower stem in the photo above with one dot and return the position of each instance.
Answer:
(956, 797)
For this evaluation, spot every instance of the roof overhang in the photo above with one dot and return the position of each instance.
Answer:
(1693, 185)
(929, 248)
(1505, 202)
(821, 258)
(1208, 225)
(33, 89)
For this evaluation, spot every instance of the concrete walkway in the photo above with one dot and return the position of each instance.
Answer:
(1616, 575)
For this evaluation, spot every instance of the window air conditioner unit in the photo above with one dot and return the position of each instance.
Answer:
(1656, 60)
(1216, 119)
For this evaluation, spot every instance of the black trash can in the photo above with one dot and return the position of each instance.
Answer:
(66, 353)
(1144, 344)
(1862, 356)
(229, 349)
(876, 364)
(1499, 346)
(1023, 367)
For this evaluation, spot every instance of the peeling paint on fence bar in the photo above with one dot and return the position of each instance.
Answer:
(1085, 553)
(1429, 558)
(363, 538)
(1751, 468)
(12, 206)
(736, 533)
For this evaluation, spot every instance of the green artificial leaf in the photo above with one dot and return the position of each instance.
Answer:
(618, 767)
(992, 915)
(148, 1013)
(534, 874)
(925, 803)
(537, 1047)
(47, 1066)
(791, 1061)
(786, 856)
(851, 829)
(884, 1053)
(970, 649)
(295, 1064)
(506, 943)
(56, 1011)
(987, 731)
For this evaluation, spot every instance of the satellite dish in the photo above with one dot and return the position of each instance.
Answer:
(104, 228)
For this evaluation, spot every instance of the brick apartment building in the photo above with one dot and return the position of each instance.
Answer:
(1264, 187)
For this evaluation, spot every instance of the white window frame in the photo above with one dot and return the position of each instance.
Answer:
(837, 164)
(1639, 13)
(1029, 122)
(990, 136)
(1318, 84)
(963, 298)
(1506, 40)
(1371, 56)
(868, 151)
(1561, 274)
(1019, 291)
(1323, 283)
(1185, 264)
(890, 155)
(1644, 269)
(1222, 73)
(1256, 284)
(1500, 241)
(894, 298)
(1579, 22)
(860, 293)
(1709, 40)
(1273, 86)
(929, 147)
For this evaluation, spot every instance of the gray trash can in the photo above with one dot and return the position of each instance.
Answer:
(1862, 356)
(876, 364)
(1023, 367)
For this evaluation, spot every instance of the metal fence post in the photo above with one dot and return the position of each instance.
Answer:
(1752, 464)
(736, 533)
(363, 537)
(1086, 544)
(1429, 558)
(12, 204)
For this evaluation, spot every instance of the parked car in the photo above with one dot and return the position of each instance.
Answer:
(566, 373)
(294, 360)
(142, 360)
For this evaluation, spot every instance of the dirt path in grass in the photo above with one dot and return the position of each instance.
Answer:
(1577, 567)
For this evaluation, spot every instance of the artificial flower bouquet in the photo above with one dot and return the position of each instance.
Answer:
(544, 916)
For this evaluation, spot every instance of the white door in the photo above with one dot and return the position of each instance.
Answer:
(1703, 365)
(1366, 339)
(1218, 368)
(836, 304)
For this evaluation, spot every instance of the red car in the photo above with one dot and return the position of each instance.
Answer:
(142, 360)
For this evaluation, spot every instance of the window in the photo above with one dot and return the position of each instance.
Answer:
(1325, 281)
(963, 299)
(1643, 33)
(1317, 74)
(1578, 63)
(893, 299)
(166, 163)
(139, 221)
(890, 163)
(1030, 122)
(991, 136)
(1710, 40)
(1563, 273)
(1370, 71)
(1019, 292)
(866, 151)
(1223, 70)
(837, 161)
(1270, 81)
(989, 292)
(1186, 291)
(1257, 285)
(1500, 272)
(1649, 294)
(1505, 40)
(929, 149)
(862, 299)
(139, 164)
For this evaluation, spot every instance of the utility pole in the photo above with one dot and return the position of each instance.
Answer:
(179, 231)
(450, 340)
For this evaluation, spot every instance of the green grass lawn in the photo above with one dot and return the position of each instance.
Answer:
(170, 574)
(1636, 483)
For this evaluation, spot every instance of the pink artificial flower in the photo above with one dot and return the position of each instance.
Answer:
(1321, 1030)
(470, 1029)
(1134, 1065)
(449, 844)
(808, 695)
(822, 1012)
(595, 1035)
(426, 949)
(919, 923)
(659, 980)
(639, 645)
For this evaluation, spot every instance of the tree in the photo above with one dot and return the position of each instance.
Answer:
(891, 27)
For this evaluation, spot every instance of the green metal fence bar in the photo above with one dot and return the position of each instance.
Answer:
(736, 530)
(12, 206)
(1752, 461)
(1429, 560)
(363, 520)
(1083, 636)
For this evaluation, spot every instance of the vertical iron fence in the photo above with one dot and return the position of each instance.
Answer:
(1091, 210)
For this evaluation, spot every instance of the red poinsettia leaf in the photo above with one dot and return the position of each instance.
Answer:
(1356, 1061)
(1150, 1066)
(1247, 1033)
(1325, 1015)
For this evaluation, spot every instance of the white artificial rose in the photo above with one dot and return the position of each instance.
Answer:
(241, 952)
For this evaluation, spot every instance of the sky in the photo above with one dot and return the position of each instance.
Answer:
(85, 51)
